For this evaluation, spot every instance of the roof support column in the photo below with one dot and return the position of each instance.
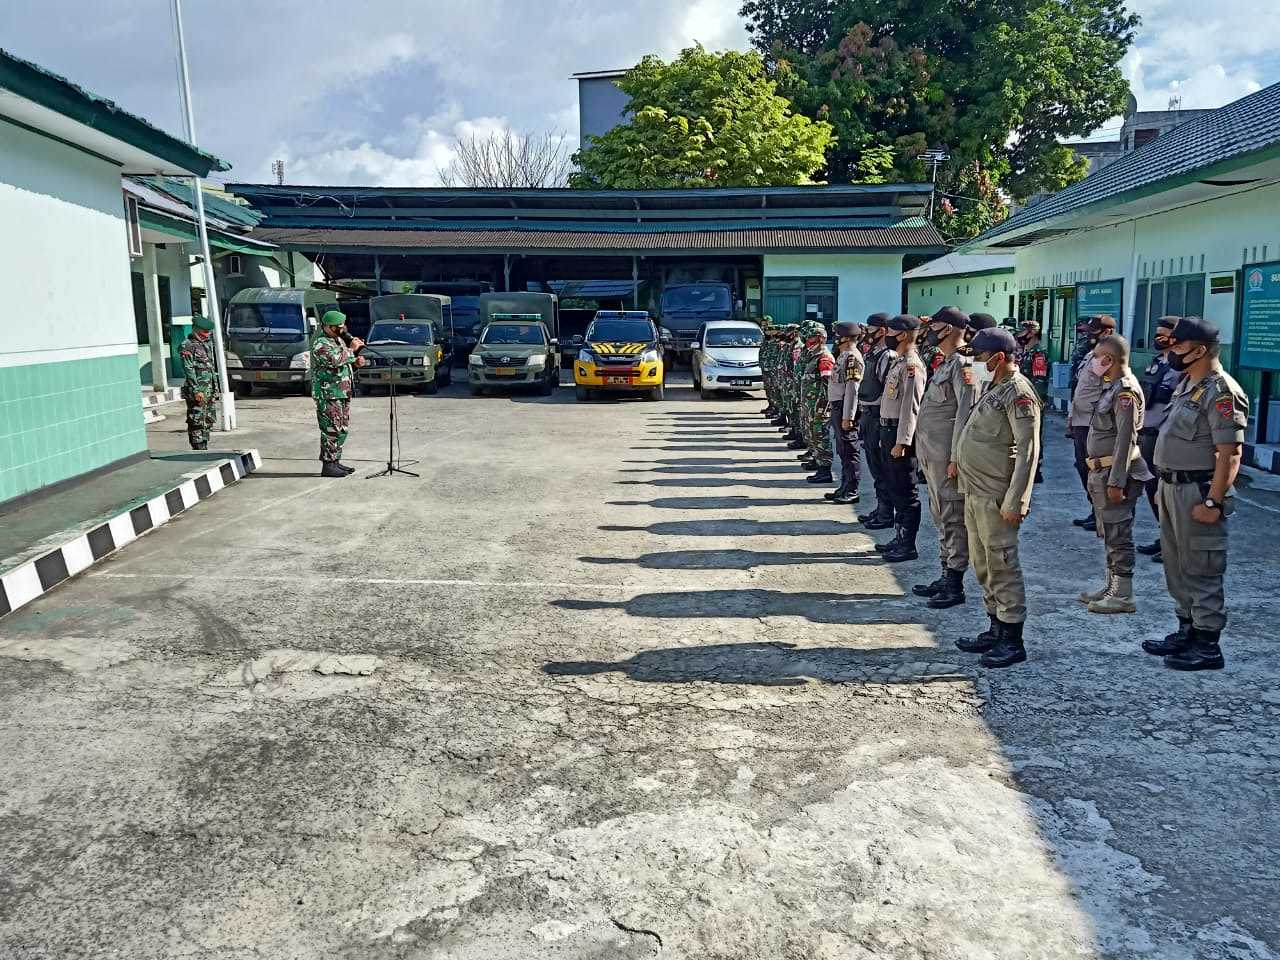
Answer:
(377, 273)
(635, 283)
(506, 273)
(155, 330)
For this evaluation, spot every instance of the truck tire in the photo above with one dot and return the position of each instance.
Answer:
(244, 390)
(707, 394)
(582, 394)
(657, 393)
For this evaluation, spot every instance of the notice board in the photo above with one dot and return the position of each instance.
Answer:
(1260, 317)
(1104, 296)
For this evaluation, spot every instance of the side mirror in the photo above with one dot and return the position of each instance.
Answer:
(555, 342)
(695, 346)
(311, 323)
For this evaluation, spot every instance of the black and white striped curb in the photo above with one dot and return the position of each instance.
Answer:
(24, 583)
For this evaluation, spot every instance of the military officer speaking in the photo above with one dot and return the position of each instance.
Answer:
(201, 389)
(332, 358)
(943, 412)
(1117, 472)
(1197, 458)
(995, 459)
(899, 416)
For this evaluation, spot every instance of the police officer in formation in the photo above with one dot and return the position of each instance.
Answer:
(1159, 380)
(333, 359)
(899, 414)
(878, 358)
(201, 390)
(842, 396)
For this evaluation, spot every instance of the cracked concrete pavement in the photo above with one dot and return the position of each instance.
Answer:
(611, 681)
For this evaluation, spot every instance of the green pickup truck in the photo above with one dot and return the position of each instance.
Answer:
(516, 345)
(408, 344)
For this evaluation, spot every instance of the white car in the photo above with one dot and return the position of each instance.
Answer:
(726, 357)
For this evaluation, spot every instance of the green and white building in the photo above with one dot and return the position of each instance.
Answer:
(70, 401)
(976, 283)
(1188, 224)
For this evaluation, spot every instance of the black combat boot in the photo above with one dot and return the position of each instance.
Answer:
(905, 549)
(808, 463)
(1149, 549)
(331, 469)
(769, 411)
(199, 446)
(839, 491)
(1008, 649)
(779, 421)
(881, 518)
(345, 469)
(1172, 644)
(797, 445)
(931, 589)
(890, 544)
(822, 476)
(952, 592)
(847, 496)
(1089, 523)
(983, 641)
(1202, 652)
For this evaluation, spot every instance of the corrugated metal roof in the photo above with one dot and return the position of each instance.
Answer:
(915, 235)
(962, 265)
(1249, 125)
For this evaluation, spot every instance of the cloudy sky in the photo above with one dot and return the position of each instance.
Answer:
(375, 92)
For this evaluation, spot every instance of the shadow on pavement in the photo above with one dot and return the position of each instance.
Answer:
(732, 482)
(743, 527)
(734, 559)
(711, 503)
(834, 608)
(779, 466)
(771, 665)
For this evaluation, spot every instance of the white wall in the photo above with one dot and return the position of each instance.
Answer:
(985, 294)
(1213, 237)
(65, 252)
(868, 283)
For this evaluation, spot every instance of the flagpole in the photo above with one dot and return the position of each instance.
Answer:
(211, 290)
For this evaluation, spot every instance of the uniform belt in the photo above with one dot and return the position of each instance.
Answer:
(888, 419)
(1185, 476)
(1102, 463)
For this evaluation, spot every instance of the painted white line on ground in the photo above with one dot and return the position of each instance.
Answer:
(367, 581)
(1255, 503)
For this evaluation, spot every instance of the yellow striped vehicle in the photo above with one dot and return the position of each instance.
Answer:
(621, 352)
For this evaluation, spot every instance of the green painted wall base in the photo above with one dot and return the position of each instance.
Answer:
(59, 420)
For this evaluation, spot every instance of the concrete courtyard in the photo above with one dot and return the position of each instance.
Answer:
(611, 681)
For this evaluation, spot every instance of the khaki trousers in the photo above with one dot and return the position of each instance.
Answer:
(946, 506)
(1195, 556)
(1115, 521)
(993, 551)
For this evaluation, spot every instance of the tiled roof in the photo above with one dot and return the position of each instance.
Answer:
(1233, 132)
(914, 234)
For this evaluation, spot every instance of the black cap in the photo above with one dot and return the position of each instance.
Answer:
(1167, 322)
(878, 320)
(1098, 324)
(847, 330)
(904, 322)
(994, 340)
(981, 321)
(953, 316)
(1195, 330)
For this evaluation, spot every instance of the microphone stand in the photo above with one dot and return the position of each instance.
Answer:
(393, 423)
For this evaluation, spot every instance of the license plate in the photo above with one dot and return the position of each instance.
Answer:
(268, 376)
(739, 383)
(384, 376)
(617, 379)
(505, 371)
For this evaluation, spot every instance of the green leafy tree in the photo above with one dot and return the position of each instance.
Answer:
(704, 120)
(997, 83)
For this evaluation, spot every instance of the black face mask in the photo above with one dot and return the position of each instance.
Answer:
(891, 341)
(934, 337)
(1161, 343)
(1180, 361)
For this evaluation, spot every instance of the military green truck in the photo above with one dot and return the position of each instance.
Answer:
(269, 334)
(517, 344)
(409, 344)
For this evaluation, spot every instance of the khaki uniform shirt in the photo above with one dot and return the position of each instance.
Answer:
(1088, 390)
(1113, 429)
(903, 392)
(849, 374)
(999, 445)
(1201, 415)
(944, 409)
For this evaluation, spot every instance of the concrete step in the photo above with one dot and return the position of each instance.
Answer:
(157, 398)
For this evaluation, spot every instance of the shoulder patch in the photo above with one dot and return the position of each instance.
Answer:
(1226, 405)
(1125, 399)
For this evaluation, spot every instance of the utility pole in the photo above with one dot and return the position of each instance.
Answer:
(211, 289)
(934, 158)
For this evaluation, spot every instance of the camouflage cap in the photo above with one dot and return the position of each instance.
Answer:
(812, 328)
(333, 318)
(202, 322)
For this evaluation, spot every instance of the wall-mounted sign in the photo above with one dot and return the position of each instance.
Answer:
(1260, 317)
(1223, 284)
(1095, 299)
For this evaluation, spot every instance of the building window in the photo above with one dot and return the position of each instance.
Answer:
(233, 265)
(132, 226)
(791, 299)
(1170, 297)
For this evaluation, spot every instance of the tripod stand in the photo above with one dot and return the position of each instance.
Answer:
(393, 425)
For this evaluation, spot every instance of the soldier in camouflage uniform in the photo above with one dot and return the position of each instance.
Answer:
(814, 378)
(766, 351)
(201, 389)
(787, 374)
(332, 360)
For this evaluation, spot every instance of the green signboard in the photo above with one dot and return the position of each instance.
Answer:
(1260, 317)
(1095, 299)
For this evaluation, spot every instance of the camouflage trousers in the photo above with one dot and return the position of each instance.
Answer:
(200, 420)
(818, 419)
(334, 416)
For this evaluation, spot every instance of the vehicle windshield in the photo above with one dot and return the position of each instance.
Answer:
(734, 337)
(523, 333)
(620, 331)
(695, 299)
(266, 321)
(407, 334)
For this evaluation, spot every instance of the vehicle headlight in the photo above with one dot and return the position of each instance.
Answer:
(417, 361)
(537, 360)
(586, 356)
(233, 360)
(300, 361)
(474, 360)
(649, 356)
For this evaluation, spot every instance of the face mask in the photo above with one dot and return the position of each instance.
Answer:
(1180, 361)
(1099, 366)
(1162, 343)
(891, 342)
(981, 373)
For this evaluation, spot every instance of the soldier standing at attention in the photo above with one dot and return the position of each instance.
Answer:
(1197, 457)
(818, 368)
(843, 397)
(791, 377)
(943, 412)
(201, 389)
(332, 360)
(870, 394)
(766, 367)
(899, 415)
(1159, 381)
(996, 462)
(1117, 472)
(1033, 363)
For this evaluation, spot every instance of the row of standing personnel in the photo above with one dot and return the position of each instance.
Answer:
(972, 420)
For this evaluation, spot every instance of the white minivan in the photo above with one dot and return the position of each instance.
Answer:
(726, 357)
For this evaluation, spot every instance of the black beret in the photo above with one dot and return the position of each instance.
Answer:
(904, 322)
(994, 340)
(1196, 330)
(847, 329)
(981, 321)
(951, 315)
(878, 320)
